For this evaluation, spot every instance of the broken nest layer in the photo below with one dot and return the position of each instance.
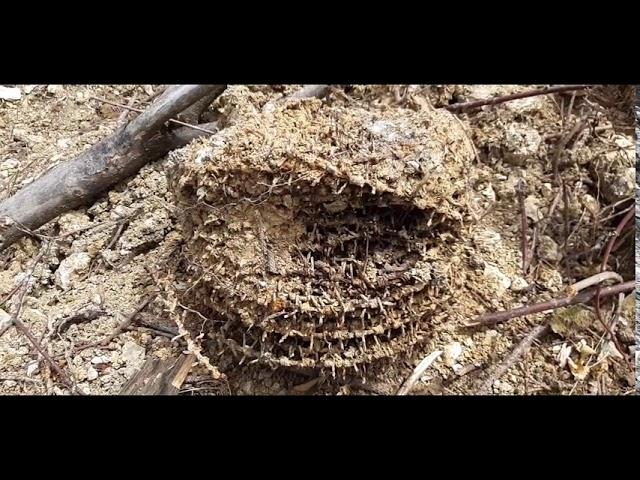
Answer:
(311, 231)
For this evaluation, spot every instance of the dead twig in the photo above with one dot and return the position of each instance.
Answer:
(123, 116)
(603, 266)
(513, 358)
(123, 326)
(562, 144)
(172, 120)
(523, 227)
(418, 372)
(584, 296)
(22, 328)
(616, 234)
(456, 107)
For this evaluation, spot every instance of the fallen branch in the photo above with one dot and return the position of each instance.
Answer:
(81, 180)
(584, 296)
(160, 377)
(456, 107)
(513, 358)
(418, 372)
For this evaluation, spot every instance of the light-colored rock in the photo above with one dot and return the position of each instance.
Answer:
(80, 373)
(9, 165)
(590, 203)
(549, 278)
(4, 318)
(451, 353)
(489, 193)
(619, 184)
(71, 268)
(10, 93)
(100, 359)
(500, 281)
(73, 221)
(521, 144)
(487, 239)
(548, 250)
(133, 354)
(506, 388)
(59, 391)
(33, 368)
(531, 209)
(518, 284)
(92, 374)
(55, 89)
(63, 143)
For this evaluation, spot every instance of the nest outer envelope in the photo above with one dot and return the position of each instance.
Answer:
(310, 230)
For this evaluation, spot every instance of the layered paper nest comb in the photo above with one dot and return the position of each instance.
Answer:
(308, 230)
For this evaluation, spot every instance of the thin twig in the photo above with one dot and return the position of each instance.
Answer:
(22, 328)
(123, 116)
(523, 227)
(565, 214)
(562, 144)
(617, 214)
(123, 326)
(26, 283)
(583, 297)
(552, 209)
(418, 372)
(515, 96)
(594, 280)
(194, 127)
(616, 234)
(513, 357)
(603, 266)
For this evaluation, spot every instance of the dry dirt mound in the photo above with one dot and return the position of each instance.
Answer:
(309, 230)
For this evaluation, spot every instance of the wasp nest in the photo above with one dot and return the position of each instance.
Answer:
(310, 231)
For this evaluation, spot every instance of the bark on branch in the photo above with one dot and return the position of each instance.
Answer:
(79, 181)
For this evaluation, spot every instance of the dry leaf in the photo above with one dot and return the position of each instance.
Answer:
(579, 370)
